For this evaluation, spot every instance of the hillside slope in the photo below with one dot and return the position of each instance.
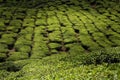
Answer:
(59, 40)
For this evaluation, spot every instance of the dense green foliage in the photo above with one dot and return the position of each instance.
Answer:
(59, 40)
(60, 66)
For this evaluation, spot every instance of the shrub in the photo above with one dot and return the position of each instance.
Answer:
(28, 22)
(69, 34)
(38, 38)
(83, 31)
(40, 22)
(24, 48)
(3, 48)
(73, 18)
(116, 27)
(91, 28)
(103, 43)
(52, 20)
(10, 66)
(63, 20)
(16, 23)
(38, 54)
(12, 28)
(28, 36)
(39, 29)
(2, 26)
(101, 26)
(39, 14)
(91, 45)
(27, 30)
(22, 41)
(54, 45)
(7, 14)
(9, 35)
(61, 8)
(53, 27)
(19, 16)
(7, 41)
(114, 18)
(54, 51)
(84, 19)
(31, 12)
(115, 39)
(75, 48)
(39, 49)
(55, 36)
(50, 13)
(69, 38)
(17, 56)
(101, 39)
(3, 74)
(2, 57)
(108, 55)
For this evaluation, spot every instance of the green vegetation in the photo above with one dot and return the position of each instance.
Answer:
(2, 57)
(3, 48)
(59, 40)
(17, 56)
(28, 23)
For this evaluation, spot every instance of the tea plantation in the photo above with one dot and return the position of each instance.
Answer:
(59, 40)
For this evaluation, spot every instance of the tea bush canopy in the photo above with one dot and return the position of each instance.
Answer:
(59, 40)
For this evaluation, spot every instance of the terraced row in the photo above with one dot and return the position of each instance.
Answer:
(35, 33)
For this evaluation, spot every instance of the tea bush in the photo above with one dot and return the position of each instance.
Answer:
(3, 48)
(2, 57)
(17, 56)
(59, 39)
